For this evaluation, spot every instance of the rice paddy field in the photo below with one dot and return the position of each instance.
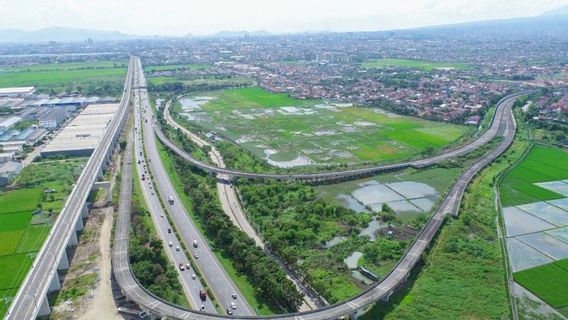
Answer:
(548, 282)
(542, 164)
(287, 132)
(26, 215)
(50, 75)
(413, 64)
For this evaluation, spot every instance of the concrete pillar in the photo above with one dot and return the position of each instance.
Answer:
(55, 284)
(44, 309)
(73, 240)
(387, 297)
(79, 226)
(84, 212)
(63, 263)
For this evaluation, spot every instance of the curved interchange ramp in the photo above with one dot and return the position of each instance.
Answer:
(503, 124)
(504, 108)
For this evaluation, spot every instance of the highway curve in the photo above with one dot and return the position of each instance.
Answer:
(503, 124)
(504, 107)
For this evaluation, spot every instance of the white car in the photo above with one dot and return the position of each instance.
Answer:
(193, 276)
(187, 266)
(170, 244)
(177, 248)
(234, 306)
(202, 308)
(234, 296)
(196, 256)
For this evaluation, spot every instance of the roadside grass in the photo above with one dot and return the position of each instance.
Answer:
(107, 64)
(548, 282)
(14, 270)
(246, 288)
(463, 276)
(413, 64)
(541, 164)
(76, 288)
(342, 135)
(32, 239)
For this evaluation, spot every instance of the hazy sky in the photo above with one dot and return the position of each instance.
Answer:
(179, 17)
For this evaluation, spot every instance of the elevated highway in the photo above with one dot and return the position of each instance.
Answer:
(42, 278)
(503, 125)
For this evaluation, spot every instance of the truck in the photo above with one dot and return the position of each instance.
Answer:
(203, 295)
(171, 200)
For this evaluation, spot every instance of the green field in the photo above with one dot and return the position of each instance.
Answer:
(541, 164)
(315, 132)
(102, 77)
(549, 282)
(21, 236)
(413, 64)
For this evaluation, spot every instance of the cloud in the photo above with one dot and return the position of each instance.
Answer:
(178, 17)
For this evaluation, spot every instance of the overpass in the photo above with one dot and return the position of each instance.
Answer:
(504, 107)
(42, 278)
(503, 124)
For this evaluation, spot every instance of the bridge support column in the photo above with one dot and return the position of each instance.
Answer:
(44, 309)
(85, 212)
(55, 284)
(387, 297)
(79, 226)
(63, 263)
(73, 240)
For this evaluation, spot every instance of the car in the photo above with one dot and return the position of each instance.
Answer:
(229, 311)
(193, 276)
(196, 256)
(181, 267)
(195, 243)
(202, 308)
(187, 266)
(169, 230)
(161, 215)
(170, 244)
(234, 306)
(234, 295)
(177, 248)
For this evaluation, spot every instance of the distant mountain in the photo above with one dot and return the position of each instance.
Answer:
(61, 34)
(562, 11)
(241, 34)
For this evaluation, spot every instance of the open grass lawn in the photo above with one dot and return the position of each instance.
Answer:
(541, 164)
(51, 77)
(549, 282)
(324, 134)
(67, 66)
(412, 64)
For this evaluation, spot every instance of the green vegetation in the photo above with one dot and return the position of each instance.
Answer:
(147, 259)
(21, 232)
(102, 78)
(260, 279)
(548, 282)
(541, 164)
(463, 277)
(328, 134)
(413, 64)
(76, 288)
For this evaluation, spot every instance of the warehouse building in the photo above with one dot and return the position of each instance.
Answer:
(83, 134)
(16, 91)
(53, 119)
(9, 123)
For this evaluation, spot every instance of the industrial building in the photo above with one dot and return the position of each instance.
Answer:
(53, 118)
(9, 123)
(82, 135)
(16, 92)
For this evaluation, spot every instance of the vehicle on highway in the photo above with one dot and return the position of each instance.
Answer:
(161, 215)
(170, 244)
(187, 266)
(177, 248)
(202, 308)
(169, 230)
(143, 178)
(181, 266)
(230, 311)
(171, 200)
(196, 256)
(234, 306)
(203, 295)
(195, 243)
(234, 296)
(193, 276)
